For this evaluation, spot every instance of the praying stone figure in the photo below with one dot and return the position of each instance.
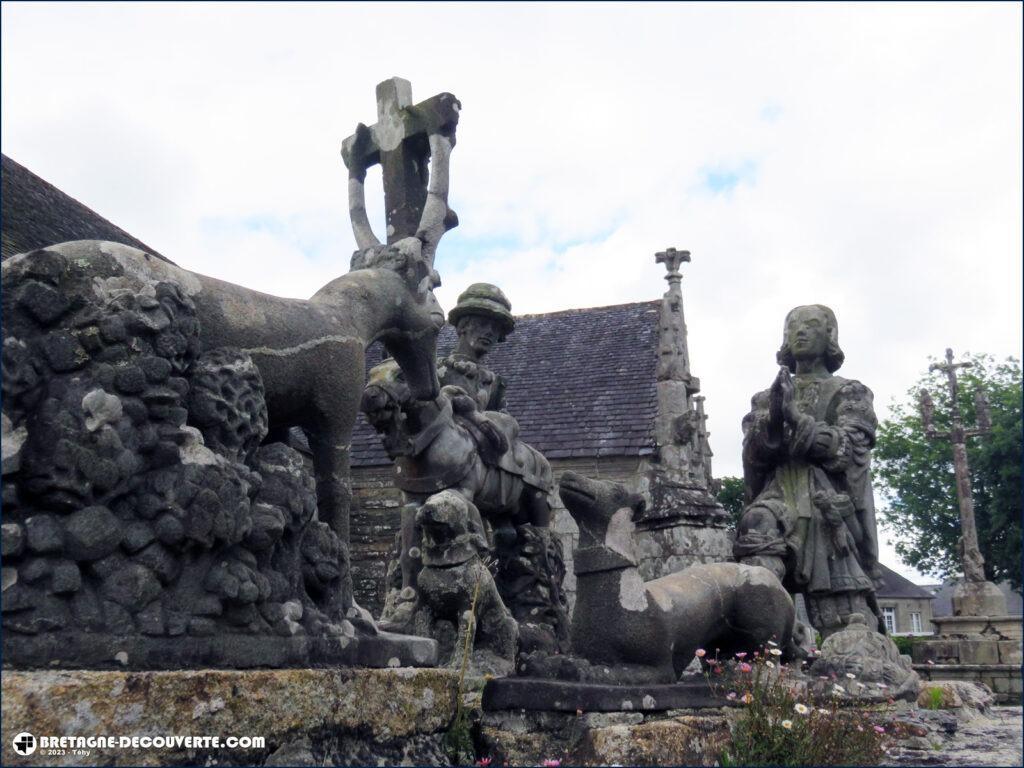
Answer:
(807, 445)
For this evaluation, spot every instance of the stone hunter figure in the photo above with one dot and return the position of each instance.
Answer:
(483, 318)
(806, 458)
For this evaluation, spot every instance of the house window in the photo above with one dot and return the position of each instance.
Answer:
(889, 617)
(915, 623)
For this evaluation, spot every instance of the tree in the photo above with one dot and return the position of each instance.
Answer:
(918, 493)
(730, 496)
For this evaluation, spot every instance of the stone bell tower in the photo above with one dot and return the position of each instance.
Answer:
(684, 523)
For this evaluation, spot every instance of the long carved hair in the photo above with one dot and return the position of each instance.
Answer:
(834, 356)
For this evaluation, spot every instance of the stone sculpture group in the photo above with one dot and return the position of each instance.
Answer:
(155, 515)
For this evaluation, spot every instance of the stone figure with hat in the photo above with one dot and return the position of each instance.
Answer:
(466, 442)
(483, 319)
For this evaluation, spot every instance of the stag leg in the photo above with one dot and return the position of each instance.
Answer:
(330, 465)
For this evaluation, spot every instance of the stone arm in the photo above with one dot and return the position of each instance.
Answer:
(762, 442)
(843, 449)
(762, 449)
(845, 445)
(497, 402)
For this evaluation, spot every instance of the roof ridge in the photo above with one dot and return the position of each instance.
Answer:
(579, 310)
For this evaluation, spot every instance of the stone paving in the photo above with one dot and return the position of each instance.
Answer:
(994, 738)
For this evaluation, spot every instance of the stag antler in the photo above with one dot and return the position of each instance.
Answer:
(361, 228)
(437, 217)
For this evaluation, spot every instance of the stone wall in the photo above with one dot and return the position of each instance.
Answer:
(669, 546)
(304, 716)
(1003, 679)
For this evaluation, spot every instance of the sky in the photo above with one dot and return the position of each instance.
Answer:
(863, 156)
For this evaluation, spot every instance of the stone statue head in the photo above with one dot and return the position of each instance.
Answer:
(482, 318)
(811, 329)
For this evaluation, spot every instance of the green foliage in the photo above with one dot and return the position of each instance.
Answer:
(934, 698)
(731, 496)
(916, 474)
(775, 728)
(904, 642)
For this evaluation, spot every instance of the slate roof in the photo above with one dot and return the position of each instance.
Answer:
(895, 586)
(35, 214)
(581, 382)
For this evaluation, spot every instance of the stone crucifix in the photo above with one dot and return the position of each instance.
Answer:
(957, 435)
(412, 143)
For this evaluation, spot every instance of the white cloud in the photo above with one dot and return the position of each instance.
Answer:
(883, 144)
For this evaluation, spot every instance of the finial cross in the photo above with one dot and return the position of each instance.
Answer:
(672, 259)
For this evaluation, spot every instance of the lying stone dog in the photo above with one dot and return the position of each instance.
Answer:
(452, 578)
(627, 631)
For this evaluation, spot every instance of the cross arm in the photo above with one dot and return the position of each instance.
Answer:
(437, 115)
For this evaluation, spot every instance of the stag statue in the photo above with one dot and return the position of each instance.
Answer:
(310, 353)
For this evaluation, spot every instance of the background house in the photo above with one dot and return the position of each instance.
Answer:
(906, 607)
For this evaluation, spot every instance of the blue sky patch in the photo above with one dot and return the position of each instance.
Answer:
(723, 179)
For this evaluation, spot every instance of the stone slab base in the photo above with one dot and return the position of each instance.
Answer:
(678, 737)
(1004, 679)
(533, 694)
(974, 649)
(305, 716)
(95, 651)
(1009, 627)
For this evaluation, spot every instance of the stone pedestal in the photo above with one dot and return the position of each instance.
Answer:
(972, 640)
(667, 546)
(304, 716)
(984, 649)
(982, 598)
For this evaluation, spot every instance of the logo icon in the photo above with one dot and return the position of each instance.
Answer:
(25, 743)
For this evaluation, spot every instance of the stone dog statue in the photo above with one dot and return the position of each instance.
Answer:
(626, 631)
(457, 593)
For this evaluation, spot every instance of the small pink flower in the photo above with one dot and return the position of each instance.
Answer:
(551, 763)
(484, 761)
(744, 667)
(700, 653)
(747, 698)
(879, 729)
(741, 655)
(731, 696)
(859, 728)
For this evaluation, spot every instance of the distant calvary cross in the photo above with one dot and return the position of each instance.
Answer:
(974, 563)
(403, 140)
